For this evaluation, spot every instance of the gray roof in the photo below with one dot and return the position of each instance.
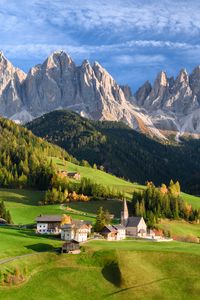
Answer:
(118, 226)
(133, 221)
(77, 221)
(49, 218)
(72, 173)
(77, 224)
(108, 228)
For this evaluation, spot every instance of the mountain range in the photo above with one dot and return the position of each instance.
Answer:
(168, 107)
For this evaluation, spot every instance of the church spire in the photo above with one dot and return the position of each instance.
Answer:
(124, 214)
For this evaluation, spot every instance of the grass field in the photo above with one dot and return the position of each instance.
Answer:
(181, 228)
(104, 270)
(193, 200)
(16, 242)
(24, 208)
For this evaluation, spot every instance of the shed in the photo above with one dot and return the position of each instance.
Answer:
(70, 246)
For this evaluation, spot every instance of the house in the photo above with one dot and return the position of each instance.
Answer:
(114, 232)
(70, 247)
(121, 232)
(49, 224)
(74, 175)
(109, 233)
(77, 230)
(135, 226)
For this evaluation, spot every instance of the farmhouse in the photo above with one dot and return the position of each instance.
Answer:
(49, 224)
(113, 232)
(72, 175)
(135, 226)
(76, 230)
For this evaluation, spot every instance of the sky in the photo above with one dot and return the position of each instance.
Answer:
(133, 40)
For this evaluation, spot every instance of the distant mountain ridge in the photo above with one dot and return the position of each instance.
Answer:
(170, 106)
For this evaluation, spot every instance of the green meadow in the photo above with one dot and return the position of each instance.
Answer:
(100, 176)
(104, 270)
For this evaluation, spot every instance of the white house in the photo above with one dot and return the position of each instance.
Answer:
(77, 230)
(135, 226)
(114, 232)
(49, 224)
(121, 232)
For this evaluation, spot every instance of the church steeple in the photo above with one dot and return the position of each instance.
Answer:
(124, 214)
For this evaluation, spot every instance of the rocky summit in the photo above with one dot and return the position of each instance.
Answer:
(169, 106)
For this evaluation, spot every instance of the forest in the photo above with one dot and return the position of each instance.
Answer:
(164, 202)
(24, 158)
(121, 150)
(63, 190)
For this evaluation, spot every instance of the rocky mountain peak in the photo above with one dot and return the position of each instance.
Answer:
(59, 59)
(183, 77)
(161, 79)
(172, 105)
(127, 92)
(143, 92)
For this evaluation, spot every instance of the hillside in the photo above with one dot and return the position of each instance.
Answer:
(129, 271)
(121, 150)
(23, 157)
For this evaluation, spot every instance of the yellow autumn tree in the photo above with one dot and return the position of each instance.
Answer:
(65, 219)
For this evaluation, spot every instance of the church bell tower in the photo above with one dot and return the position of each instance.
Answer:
(124, 215)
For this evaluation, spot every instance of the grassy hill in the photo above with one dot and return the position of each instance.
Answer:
(113, 270)
(24, 207)
(121, 150)
(99, 176)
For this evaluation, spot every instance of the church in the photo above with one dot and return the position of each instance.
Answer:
(135, 226)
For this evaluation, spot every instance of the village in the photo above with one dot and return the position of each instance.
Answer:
(74, 232)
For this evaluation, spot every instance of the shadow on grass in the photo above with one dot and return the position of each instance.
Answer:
(112, 273)
(27, 197)
(41, 247)
(138, 286)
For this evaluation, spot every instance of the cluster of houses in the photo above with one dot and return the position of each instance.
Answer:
(74, 232)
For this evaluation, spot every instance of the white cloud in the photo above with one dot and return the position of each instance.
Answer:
(139, 59)
(38, 50)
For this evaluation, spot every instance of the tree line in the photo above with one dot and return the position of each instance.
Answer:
(63, 190)
(164, 202)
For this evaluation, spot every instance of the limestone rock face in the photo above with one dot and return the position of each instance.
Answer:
(11, 80)
(173, 104)
(167, 105)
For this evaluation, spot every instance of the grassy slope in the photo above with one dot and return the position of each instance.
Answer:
(24, 208)
(181, 228)
(100, 177)
(113, 270)
(193, 200)
(16, 242)
(115, 182)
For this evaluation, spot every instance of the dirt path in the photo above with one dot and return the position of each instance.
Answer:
(4, 261)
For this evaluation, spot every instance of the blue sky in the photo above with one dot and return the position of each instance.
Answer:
(133, 40)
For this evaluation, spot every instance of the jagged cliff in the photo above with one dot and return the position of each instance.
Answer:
(169, 106)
